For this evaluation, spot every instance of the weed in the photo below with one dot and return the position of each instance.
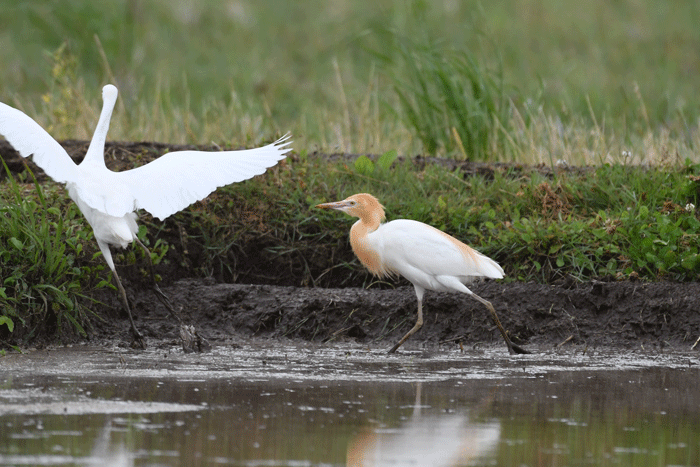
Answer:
(42, 281)
(451, 99)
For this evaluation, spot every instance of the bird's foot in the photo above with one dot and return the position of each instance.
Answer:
(516, 349)
(139, 341)
(191, 340)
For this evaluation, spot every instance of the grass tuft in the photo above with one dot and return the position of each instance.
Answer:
(450, 99)
(42, 280)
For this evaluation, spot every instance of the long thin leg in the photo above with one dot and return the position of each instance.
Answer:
(416, 327)
(159, 293)
(512, 348)
(138, 337)
(107, 255)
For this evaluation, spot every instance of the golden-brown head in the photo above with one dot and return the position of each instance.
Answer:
(371, 214)
(362, 205)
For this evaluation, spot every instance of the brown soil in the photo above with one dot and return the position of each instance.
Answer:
(617, 314)
(625, 314)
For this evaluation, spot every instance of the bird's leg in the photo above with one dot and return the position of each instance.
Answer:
(416, 327)
(139, 341)
(159, 293)
(512, 348)
(138, 337)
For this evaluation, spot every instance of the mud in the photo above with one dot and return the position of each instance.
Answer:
(589, 315)
(630, 315)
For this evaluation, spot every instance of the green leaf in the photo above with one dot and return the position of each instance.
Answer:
(16, 243)
(643, 212)
(441, 202)
(689, 262)
(386, 159)
(8, 322)
(554, 248)
(103, 283)
(364, 166)
(142, 232)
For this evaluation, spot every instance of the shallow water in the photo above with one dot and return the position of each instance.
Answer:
(261, 405)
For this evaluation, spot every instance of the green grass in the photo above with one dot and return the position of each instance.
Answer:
(532, 83)
(46, 281)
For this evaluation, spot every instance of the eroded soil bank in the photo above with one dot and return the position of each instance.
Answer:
(626, 314)
(599, 314)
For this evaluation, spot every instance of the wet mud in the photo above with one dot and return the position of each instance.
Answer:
(628, 315)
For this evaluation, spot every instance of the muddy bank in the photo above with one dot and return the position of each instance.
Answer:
(625, 314)
(605, 314)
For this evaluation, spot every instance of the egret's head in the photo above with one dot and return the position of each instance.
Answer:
(362, 205)
(109, 93)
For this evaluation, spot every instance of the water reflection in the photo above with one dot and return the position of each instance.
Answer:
(106, 452)
(528, 416)
(447, 439)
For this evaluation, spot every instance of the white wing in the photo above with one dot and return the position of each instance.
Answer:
(177, 179)
(415, 246)
(28, 137)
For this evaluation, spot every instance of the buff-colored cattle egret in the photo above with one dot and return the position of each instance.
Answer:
(429, 258)
(108, 200)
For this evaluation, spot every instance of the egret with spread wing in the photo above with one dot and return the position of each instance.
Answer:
(429, 258)
(108, 199)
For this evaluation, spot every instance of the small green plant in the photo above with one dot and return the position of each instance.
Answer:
(41, 278)
(6, 320)
(365, 166)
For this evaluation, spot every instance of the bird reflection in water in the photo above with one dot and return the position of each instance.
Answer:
(446, 439)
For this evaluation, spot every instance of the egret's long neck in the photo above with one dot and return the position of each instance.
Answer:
(371, 220)
(363, 248)
(96, 150)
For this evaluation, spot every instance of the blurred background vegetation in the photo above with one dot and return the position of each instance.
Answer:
(587, 82)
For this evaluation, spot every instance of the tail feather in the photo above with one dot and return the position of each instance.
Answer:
(488, 267)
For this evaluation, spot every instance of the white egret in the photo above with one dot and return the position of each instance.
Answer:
(108, 199)
(429, 258)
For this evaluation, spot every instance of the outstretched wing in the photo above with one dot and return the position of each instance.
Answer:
(29, 138)
(177, 179)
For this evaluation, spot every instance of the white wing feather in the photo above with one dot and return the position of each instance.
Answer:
(29, 138)
(417, 246)
(177, 179)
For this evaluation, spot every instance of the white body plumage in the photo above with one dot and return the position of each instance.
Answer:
(427, 257)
